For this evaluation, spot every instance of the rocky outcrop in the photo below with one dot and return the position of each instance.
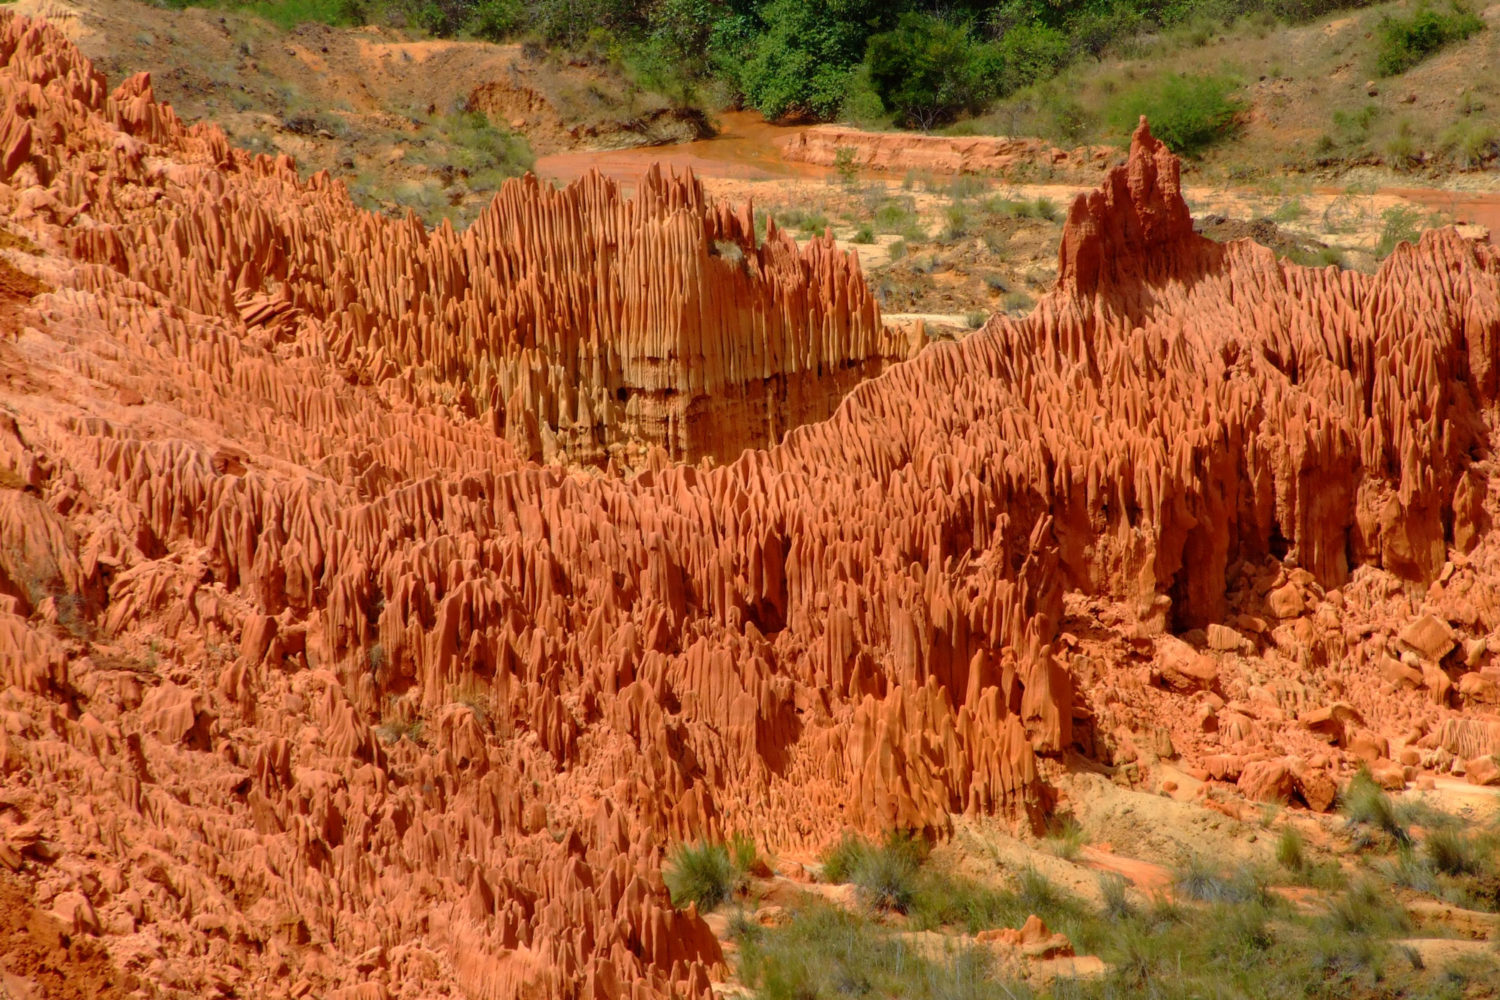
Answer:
(315, 683)
(941, 154)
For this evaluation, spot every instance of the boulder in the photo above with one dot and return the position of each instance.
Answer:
(1286, 601)
(1478, 687)
(1226, 639)
(1429, 637)
(1388, 775)
(1482, 771)
(1181, 667)
(1266, 781)
(1314, 784)
(1399, 673)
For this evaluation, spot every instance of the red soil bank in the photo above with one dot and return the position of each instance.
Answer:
(902, 151)
(311, 683)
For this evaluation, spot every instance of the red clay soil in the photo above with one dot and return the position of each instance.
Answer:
(41, 959)
(1481, 209)
(367, 629)
(747, 147)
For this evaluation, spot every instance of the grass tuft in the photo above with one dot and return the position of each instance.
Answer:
(700, 873)
(1289, 851)
(1363, 802)
(1200, 880)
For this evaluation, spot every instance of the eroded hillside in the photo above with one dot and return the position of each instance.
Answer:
(317, 680)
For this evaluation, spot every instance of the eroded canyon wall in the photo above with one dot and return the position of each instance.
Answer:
(314, 682)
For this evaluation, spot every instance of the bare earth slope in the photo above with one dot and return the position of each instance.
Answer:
(312, 682)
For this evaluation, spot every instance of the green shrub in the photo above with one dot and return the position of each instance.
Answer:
(1114, 897)
(975, 318)
(823, 953)
(1188, 113)
(1064, 119)
(1200, 880)
(1452, 852)
(1029, 53)
(1403, 148)
(1289, 211)
(1289, 851)
(1469, 144)
(1037, 892)
(743, 854)
(886, 876)
(896, 250)
(843, 858)
(1401, 225)
(957, 226)
(1065, 835)
(864, 234)
(796, 56)
(1366, 908)
(1363, 802)
(1406, 41)
(844, 165)
(898, 216)
(1018, 301)
(928, 70)
(699, 873)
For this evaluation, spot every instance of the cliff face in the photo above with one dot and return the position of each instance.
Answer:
(305, 668)
(581, 325)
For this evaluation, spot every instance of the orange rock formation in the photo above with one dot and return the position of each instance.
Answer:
(313, 682)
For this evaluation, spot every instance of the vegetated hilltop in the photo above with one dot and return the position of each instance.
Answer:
(313, 683)
(1325, 85)
(430, 125)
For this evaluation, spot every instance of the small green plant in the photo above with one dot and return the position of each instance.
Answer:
(957, 217)
(896, 215)
(1405, 41)
(1452, 852)
(1065, 836)
(975, 318)
(1114, 898)
(1199, 879)
(1289, 211)
(1290, 853)
(1469, 144)
(1365, 909)
(1037, 891)
(886, 876)
(896, 250)
(841, 860)
(1402, 224)
(1403, 148)
(1354, 126)
(1018, 302)
(862, 235)
(744, 854)
(845, 166)
(700, 873)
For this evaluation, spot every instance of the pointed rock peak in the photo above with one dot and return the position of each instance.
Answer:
(1136, 215)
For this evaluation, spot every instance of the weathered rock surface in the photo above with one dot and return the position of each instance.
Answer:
(313, 681)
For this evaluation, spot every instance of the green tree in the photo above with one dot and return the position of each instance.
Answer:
(927, 70)
(797, 56)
